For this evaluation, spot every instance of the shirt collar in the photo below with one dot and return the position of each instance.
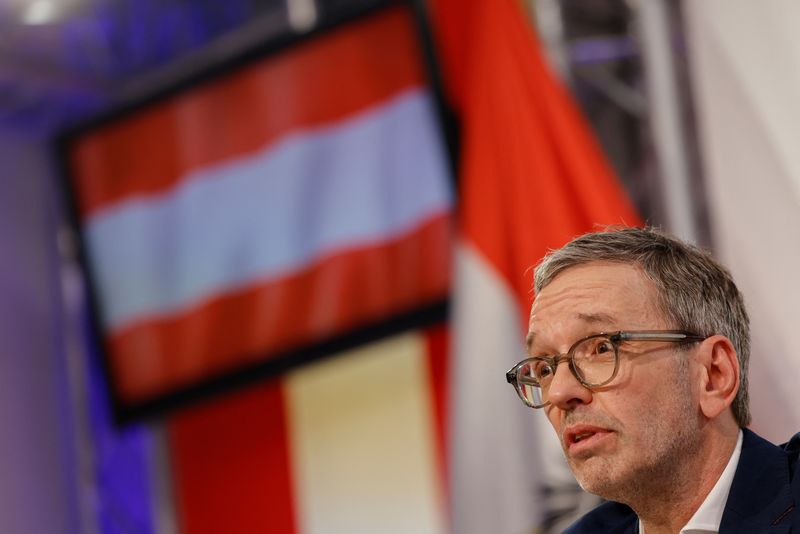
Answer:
(708, 516)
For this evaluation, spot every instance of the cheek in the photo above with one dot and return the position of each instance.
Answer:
(649, 408)
(627, 409)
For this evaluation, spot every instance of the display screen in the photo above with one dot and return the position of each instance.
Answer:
(293, 203)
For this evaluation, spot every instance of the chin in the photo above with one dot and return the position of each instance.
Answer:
(614, 484)
(594, 485)
(599, 478)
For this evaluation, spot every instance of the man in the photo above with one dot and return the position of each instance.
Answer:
(638, 347)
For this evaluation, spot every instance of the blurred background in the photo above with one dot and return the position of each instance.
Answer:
(265, 262)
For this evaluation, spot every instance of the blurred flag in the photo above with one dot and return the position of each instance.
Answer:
(284, 204)
(349, 444)
(531, 178)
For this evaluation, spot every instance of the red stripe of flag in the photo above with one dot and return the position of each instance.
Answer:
(532, 177)
(231, 465)
(437, 342)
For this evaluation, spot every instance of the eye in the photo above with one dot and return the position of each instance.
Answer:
(603, 346)
(541, 370)
(594, 348)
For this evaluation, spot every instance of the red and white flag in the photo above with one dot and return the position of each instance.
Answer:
(286, 203)
(531, 178)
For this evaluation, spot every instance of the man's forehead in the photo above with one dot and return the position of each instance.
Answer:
(595, 280)
(599, 268)
(591, 298)
(592, 320)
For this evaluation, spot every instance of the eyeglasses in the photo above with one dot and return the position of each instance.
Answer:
(593, 360)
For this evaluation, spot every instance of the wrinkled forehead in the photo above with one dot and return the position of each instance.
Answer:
(592, 322)
(598, 275)
(597, 296)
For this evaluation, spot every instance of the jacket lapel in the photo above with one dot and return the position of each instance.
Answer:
(760, 499)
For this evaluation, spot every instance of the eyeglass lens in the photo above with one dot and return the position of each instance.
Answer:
(594, 360)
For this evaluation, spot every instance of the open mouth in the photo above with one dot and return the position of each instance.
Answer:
(584, 437)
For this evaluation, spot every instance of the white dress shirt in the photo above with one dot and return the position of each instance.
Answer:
(707, 518)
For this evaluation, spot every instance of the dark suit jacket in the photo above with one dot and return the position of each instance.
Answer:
(763, 496)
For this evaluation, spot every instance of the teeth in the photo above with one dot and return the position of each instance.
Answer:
(579, 437)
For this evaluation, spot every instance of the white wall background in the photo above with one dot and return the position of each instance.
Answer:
(745, 61)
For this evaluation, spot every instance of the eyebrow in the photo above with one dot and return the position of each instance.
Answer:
(588, 318)
(595, 318)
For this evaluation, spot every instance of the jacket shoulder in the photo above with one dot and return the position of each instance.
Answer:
(610, 517)
(765, 488)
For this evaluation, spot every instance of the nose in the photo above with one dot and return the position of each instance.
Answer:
(566, 391)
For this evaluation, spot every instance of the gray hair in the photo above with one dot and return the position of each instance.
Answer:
(695, 292)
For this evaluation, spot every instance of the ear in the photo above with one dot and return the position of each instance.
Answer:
(719, 379)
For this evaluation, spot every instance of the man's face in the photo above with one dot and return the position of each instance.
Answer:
(619, 437)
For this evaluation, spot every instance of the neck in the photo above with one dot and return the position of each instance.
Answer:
(668, 503)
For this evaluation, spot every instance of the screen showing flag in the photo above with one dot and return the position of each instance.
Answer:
(238, 224)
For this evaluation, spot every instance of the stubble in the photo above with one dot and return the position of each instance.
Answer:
(650, 463)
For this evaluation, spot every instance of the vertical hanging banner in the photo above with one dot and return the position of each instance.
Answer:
(531, 178)
(349, 444)
(296, 202)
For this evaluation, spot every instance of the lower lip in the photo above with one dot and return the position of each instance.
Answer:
(587, 445)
